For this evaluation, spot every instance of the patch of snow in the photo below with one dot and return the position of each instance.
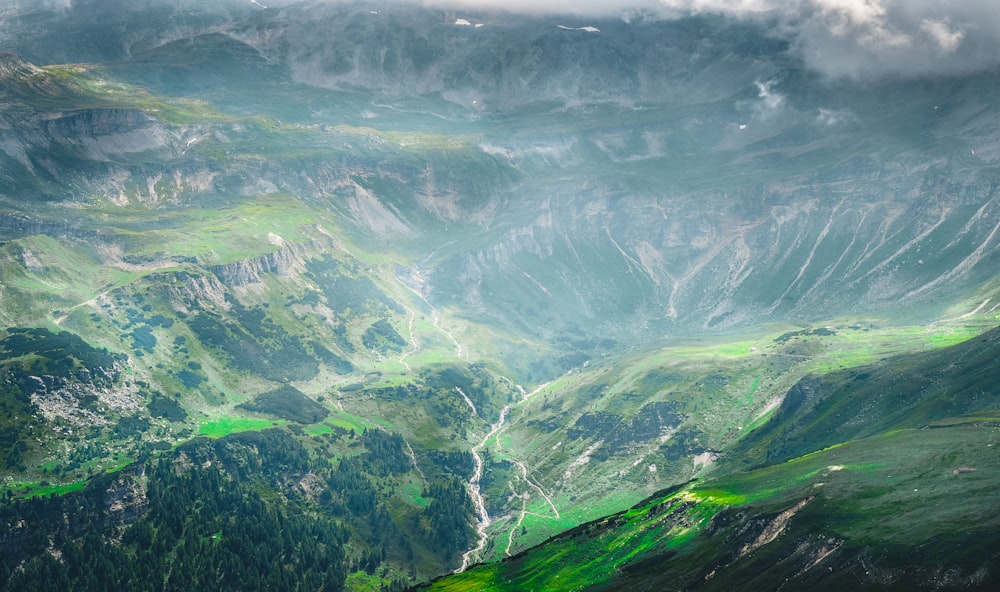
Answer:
(462, 22)
(587, 29)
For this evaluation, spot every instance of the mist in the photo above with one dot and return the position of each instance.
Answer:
(838, 38)
(856, 39)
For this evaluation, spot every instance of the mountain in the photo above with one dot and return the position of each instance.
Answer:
(432, 292)
(647, 150)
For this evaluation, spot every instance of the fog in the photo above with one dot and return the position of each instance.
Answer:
(839, 38)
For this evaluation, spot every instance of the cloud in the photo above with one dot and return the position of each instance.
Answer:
(875, 38)
(941, 32)
(839, 38)
(835, 117)
(771, 101)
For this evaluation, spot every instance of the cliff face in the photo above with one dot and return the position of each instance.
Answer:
(19, 225)
(32, 141)
(284, 260)
(710, 261)
(101, 134)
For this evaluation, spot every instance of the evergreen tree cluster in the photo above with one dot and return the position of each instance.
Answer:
(447, 524)
(233, 514)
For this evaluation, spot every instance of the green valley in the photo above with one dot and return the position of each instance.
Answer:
(336, 296)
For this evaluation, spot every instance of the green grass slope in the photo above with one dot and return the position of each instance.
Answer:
(610, 433)
(906, 391)
(901, 501)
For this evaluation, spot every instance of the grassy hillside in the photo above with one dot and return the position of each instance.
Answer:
(606, 435)
(912, 509)
(905, 502)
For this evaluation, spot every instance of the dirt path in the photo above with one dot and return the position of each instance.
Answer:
(59, 320)
(483, 518)
(414, 343)
(413, 459)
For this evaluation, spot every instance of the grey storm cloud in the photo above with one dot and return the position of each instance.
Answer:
(839, 38)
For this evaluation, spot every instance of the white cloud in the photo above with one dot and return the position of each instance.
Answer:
(873, 38)
(771, 101)
(945, 37)
(834, 117)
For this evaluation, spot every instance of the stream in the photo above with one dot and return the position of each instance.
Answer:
(482, 516)
(483, 519)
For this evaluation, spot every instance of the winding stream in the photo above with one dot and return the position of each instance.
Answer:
(483, 519)
(482, 516)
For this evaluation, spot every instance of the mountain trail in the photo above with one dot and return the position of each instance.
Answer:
(59, 320)
(495, 431)
(413, 459)
(435, 320)
(537, 487)
(414, 343)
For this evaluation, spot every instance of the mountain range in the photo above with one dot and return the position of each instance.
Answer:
(396, 290)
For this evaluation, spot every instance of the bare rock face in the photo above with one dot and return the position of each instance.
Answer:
(125, 499)
(100, 134)
(249, 271)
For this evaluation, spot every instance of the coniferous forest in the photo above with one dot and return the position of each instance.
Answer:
(250, 511)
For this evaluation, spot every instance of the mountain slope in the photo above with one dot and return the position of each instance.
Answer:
(903, 508)
(904, 392)
(907, 510)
